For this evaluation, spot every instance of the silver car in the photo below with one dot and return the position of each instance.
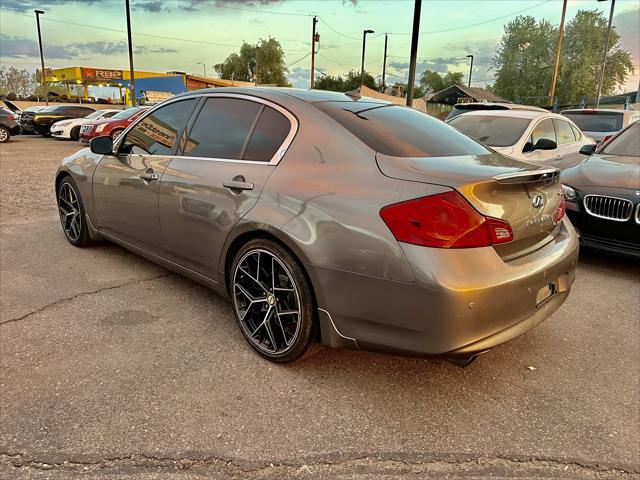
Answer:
(602, 123)
(327, 218)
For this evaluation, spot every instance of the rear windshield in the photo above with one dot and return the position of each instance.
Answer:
(129, 112)
(591, 121)
(626, 143)
(493, 131)
(400, 131)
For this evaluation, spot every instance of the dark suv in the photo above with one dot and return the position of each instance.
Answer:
(40, 122)
(8, 125)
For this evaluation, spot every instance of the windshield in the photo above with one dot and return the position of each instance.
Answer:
(400, 131)
(129, 112)
(493, 131)
(95, 114)
(594, 121)
(626, 143)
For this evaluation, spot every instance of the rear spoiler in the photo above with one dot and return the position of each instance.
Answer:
(547, 175)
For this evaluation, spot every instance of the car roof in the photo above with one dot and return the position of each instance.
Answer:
(273, 93)
(529, 114)
(596, 110)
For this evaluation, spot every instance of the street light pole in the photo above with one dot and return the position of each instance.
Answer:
(42, 74)
(313, 52)
(131, 74)
(415, 32)
(604, 54)
(470, 68)
(204, 68)
(364, 42)
(384, 62)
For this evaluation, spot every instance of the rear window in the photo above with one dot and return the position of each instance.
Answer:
(592, 121)
(626, 143)
(400, 131)
(493, 131)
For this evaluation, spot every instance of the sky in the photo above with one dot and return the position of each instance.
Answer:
(182, 34)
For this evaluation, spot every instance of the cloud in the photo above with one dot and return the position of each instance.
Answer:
(150, 6)
(299, 77)
(20, 47)
(30, 5)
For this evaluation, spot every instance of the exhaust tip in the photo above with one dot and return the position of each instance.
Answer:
(462, 362)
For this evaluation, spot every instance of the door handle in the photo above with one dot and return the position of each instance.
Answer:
(149, 177)
(237, 185)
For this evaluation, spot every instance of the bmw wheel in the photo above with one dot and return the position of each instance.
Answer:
(273, 301)
(72, 214)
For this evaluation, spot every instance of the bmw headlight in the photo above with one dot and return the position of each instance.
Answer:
(569, 193)
(101, 127)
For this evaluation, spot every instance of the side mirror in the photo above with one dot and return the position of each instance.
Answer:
(102, 145)
(528, 147)
(545, 144)
(588, 149)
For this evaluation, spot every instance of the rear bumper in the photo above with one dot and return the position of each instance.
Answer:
(462, 302)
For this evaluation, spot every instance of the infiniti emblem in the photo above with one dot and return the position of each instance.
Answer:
(537, 201)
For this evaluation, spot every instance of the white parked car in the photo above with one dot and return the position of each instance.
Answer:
(525, 135)
(71, 128)
(603, 123)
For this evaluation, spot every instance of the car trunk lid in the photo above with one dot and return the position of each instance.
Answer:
(525, 195)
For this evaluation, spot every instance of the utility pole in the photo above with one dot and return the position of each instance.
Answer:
(470, 68)
(552, 91)
(604, 54)
(414, 50)
(42, 74)
(131, 74)
(204, 68)
(313, 52)
(384, 62)
(364, 43)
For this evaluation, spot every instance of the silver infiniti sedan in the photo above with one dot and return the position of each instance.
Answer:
(330, 219)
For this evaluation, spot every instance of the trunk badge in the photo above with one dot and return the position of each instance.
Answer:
(537, 201)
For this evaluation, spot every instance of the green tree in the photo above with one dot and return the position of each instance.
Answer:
(263, 62)
(581, 58)
(524, 60)
(432, 82)
(345, 84)
(329, 82)
(21, 82)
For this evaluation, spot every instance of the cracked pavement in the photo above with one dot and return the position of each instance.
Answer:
(112, 367)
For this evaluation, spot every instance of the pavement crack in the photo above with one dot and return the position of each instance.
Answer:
(80, 295)
(372, 463)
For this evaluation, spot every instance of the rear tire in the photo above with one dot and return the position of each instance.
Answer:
(75, 133)
(72, 214)
(273, 302)
(5, 135)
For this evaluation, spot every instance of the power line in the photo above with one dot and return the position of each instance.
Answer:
(298, 60)
(336, 31)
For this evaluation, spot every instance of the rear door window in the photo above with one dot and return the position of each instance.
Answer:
(400, 131)
(564, 132)
(156, 134)
(269, 134)
(222, 128)
(495, 131)
(544, 129)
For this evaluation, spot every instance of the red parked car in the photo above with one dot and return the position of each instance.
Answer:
(112, 126)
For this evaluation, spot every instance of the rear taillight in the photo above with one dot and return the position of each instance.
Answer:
(445, 220)
(561, 210)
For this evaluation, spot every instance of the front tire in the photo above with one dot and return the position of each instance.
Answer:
(273, 301)
(75, 133)
(5, 135)
(72, 214)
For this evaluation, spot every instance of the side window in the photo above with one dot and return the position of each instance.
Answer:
(564, 131)
(576, 133)
(543, 129)
(157, 133)
(222, 128)
(267, 137)
(108, 115)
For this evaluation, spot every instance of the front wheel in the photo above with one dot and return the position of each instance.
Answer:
(115, 134)
(5, 135)
(75, 133)
(72, 214)
(273, 301)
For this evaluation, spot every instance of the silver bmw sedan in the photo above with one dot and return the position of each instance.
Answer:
(330, 219)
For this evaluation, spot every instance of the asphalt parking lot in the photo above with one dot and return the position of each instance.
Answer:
(112, 367)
